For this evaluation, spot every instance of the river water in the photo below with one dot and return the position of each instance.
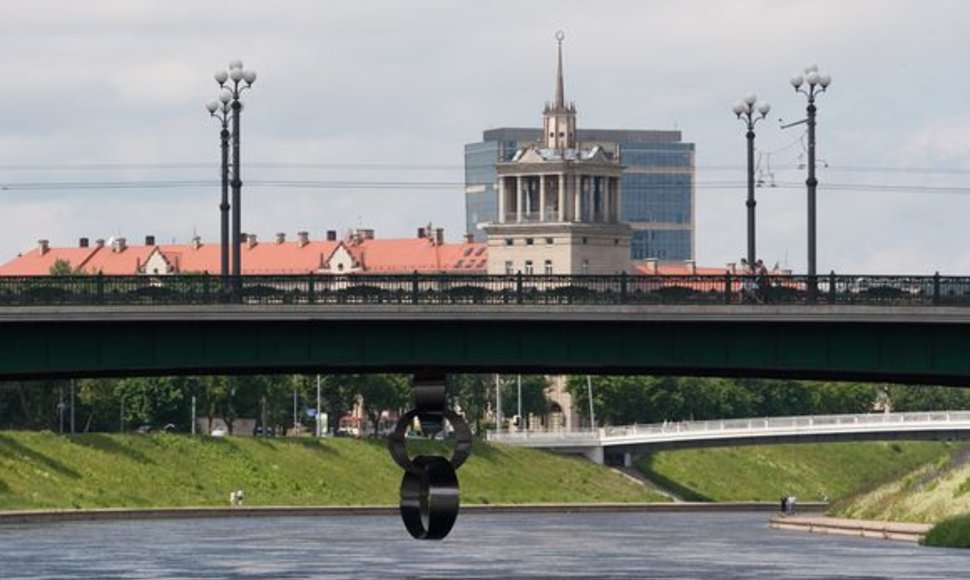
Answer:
(632, 545)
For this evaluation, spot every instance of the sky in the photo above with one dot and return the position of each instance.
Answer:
(361, 110)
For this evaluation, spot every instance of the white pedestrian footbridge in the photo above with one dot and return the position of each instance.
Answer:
(628, 440)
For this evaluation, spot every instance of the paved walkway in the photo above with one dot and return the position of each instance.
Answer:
(901, 531)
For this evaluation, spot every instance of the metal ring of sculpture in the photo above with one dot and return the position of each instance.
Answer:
(463, 439)
(429, 498)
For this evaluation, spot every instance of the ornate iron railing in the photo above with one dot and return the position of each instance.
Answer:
(432, 289)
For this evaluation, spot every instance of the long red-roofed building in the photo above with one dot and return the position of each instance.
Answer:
(359, 252)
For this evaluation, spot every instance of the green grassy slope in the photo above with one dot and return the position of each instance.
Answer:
(43, 470)
(928, 494)
(809, 471)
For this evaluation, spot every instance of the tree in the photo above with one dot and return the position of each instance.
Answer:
(62, 267)
(471, 394)
(379, 393)
(338, 394)
(534, 401)
(906, 398)
(154, 401)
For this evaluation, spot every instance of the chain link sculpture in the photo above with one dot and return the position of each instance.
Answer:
(429, 490)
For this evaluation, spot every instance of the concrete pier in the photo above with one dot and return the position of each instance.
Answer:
(899, 531)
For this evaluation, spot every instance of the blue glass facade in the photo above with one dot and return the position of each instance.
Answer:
(657, 185)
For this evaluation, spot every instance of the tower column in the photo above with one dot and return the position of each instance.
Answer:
(619, 198)
(577, 198)
(501, 199)
(596, 193)
(542, 198)
(561, 206)
(518, 198)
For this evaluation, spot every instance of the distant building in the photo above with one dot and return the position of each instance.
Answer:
(657, 183)
(360, 251)
(558, 203)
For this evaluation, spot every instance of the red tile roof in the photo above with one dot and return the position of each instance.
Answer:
(112, 262)
(673, 269)
(34, 263)
(373, 255)
(420, 255)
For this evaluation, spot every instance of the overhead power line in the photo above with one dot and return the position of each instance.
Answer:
(444, 185)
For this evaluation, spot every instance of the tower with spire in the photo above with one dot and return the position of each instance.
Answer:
(560, 120)
(559, 202)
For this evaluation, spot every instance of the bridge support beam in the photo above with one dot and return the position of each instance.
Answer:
(596, 455)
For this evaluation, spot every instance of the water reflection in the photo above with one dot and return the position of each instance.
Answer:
(641, 545)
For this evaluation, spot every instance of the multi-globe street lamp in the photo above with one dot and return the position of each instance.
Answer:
(749, 111)
(810, 84)
(220, 110)
(233, 82)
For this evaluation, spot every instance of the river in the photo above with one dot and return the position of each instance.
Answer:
(621, 545)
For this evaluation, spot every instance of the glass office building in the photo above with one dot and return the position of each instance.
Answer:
(657, 185)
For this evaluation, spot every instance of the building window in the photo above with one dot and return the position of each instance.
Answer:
(509, 269)
(585, 266)
(508, 241)
(529, 241)
(585, 240)
(548, 267)
(548, 241)
(528, 267)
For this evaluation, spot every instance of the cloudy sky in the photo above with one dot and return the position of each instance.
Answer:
(361, 110)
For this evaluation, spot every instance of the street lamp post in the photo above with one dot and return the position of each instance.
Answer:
(810, 84)
(220, 110)
(233, 82)
(750, 112)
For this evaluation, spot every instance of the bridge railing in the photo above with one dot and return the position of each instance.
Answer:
(677, 429)
(435, 289)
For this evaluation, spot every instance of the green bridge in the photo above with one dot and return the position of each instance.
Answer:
(900, 329)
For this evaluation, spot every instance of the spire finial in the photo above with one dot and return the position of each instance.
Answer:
(560, 101)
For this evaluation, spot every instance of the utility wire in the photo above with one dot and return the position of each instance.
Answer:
(446, 185)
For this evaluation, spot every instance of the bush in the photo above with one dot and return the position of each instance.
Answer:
(950, 533)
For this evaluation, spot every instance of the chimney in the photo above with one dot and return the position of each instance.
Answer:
(250, 241)
(732, 268)
(303, 238)
(119, 245)
(149, 240)
(99, 243)
(469, 238)
(652, 266)
(197, 242)
(331, 235)
(83, 243)
(439, 236)
(691, 266)
(44, 246)
(421, 233)
(281, 238)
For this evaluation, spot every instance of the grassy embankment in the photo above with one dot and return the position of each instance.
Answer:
(811, 472)
(950, 533)
(928, 494)
(43, 470)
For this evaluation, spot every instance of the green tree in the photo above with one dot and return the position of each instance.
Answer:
(835, 398)
(381, 392)
(534, 399)
(905, 398)
(62, 267)
(155, 401)
(470, 392)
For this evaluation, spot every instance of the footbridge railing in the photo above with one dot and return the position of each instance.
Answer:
(768, 427)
